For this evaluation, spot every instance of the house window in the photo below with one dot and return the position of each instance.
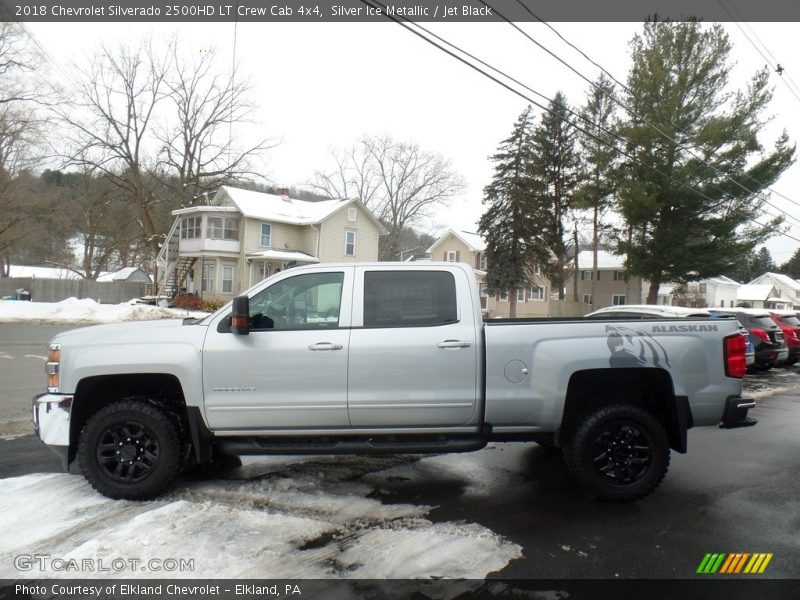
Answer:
(266, 235)
(703, 287)
(451, 256)
(520, 294)
(483, 292)
(349, 243)
(536, 292)
(618, 299)
(352, 215)
(536, 269)
(227, 279)
(504, 296)
(722, 303)
(207, 284)
(190, 228)
(619, 275)
(587, 298)
(223, 229)
(483, 262)
(585, 275)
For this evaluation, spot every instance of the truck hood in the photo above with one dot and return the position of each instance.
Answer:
(132, 331)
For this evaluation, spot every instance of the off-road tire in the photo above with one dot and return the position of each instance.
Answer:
(619, 453)
(130, 449)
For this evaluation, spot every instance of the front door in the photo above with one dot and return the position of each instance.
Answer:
(291, 371)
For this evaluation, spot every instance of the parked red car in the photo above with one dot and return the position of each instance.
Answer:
(790, 325)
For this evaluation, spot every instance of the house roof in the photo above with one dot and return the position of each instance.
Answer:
(284, 255)
(605, 260)
(121, 275)
(473, 241)
(779, 279)
(281, 209)
(754, 292)
(722, 280)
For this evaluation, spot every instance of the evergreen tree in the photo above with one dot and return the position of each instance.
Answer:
(792, 266)
(761, 263)
(597, 154)
(505, 225)
(555, 168)
(688, 221)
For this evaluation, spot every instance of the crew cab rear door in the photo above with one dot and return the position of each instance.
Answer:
(413, 349)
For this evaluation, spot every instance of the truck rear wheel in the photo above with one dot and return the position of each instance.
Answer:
(130, 449)
(618, 453)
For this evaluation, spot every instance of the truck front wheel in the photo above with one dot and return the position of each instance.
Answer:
(130, 449)
(618, 453)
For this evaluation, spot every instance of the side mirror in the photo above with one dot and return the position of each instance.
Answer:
(240, 315)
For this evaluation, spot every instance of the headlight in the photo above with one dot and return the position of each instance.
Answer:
(52, 367)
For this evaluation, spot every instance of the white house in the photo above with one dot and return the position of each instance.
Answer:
(761, 296)
(788, 287)
(717, 291)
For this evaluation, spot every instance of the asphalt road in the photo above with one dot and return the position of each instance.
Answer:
(735, 491)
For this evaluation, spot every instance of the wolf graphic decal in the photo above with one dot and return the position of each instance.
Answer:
(634, 348)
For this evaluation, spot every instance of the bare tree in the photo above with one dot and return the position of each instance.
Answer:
(111, 123)
(21, 147)
(398, 181)
(198, 152)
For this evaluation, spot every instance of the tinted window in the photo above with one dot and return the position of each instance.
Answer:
(765, 322)
(409, 298)
(790, 320)
(303, 302)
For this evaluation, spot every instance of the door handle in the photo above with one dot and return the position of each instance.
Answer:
(325, 346)
(453, 344)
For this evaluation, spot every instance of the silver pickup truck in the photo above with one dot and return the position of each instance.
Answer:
(384, 358)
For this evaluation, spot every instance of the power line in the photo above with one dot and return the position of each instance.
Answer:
(632, 112)
(772, 63)
(376, 4)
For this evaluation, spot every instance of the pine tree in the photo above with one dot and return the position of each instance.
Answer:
(504, 225)
(687, 220)
(597, 154)
(761, 263)
(792, 266)
(555, 168)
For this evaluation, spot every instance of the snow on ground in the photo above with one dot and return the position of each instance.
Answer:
(311, 517)
(86, 310)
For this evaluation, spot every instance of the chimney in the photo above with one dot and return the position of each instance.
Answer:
(284, 194)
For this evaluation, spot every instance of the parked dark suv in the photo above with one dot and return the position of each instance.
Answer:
(766, 336)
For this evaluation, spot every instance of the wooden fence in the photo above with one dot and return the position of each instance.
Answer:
(56, 290)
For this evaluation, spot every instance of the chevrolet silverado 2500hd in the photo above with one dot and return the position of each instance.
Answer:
(384, 358)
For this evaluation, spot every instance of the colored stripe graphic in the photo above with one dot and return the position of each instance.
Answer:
(728, 564)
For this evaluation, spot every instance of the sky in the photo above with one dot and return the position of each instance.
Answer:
(319, 86)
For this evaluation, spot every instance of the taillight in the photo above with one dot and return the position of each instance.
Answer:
(761, 334)
(735, 360)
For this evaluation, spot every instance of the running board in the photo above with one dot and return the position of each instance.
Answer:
(329, 445)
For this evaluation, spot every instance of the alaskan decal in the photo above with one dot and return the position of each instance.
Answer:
(682, 328)
(634, 348)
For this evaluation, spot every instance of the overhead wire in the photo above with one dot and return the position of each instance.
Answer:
(403, 23)
(632, 92)
(628, 109)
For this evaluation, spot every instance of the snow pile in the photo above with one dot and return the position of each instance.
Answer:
(306, 518)
(73, 310)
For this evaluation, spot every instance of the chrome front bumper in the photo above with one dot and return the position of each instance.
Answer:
(51, 413)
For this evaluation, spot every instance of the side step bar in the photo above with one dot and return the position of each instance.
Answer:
(345, 445)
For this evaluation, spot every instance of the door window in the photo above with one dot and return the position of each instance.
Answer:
(409, 298)
(309, 301)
